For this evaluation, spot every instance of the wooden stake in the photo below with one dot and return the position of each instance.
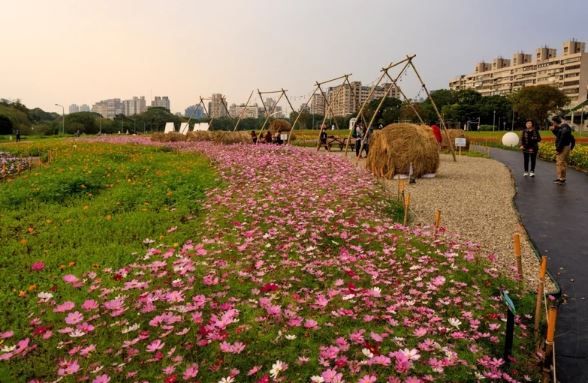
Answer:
(406, 208)
(437, 219)
(517, 249)
(401, 185)
(548, 355)
(539, 298)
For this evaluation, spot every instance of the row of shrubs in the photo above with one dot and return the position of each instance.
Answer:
(578, 157)
(221, 137)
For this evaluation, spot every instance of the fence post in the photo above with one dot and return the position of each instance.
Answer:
(517, 250)
(406, 207)
(539, 299)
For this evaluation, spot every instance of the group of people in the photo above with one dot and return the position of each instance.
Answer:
(564, 143)
(267, 138)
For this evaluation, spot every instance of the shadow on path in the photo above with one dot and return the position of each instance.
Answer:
(556, 219)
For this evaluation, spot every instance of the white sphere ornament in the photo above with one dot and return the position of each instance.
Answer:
(510, 139)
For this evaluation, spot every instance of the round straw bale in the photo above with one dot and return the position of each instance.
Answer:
(279, 125)
(453, 134)
(394, 148)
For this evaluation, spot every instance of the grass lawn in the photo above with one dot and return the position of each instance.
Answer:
(90, 208)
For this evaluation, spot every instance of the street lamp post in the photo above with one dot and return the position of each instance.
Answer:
(493, 120)
(63, 115)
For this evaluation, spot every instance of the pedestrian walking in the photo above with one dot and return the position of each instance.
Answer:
(564, 143)
(358, 135)
(530, 139)
(17, 134)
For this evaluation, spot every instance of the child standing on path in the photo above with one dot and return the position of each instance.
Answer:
(530, 139)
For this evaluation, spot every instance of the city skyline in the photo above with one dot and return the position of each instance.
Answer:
(67, 52)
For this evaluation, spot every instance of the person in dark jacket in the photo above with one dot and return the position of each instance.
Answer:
(268, 137)
(564, 142)
(530, 139)
(254, 137)
(323, 138)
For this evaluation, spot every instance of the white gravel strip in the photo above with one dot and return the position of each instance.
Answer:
(475, 196)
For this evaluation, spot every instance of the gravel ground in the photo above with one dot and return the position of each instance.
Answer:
(475, 196)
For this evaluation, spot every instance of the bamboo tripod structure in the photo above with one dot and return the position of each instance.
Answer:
(408, 61)
(268, 115)
(208, 113)
(328, 107)
(243, 111)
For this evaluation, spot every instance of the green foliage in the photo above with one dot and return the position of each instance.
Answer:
(388, 113)
(578, 156)
(536, 102)
(17, 118)
(92, 205)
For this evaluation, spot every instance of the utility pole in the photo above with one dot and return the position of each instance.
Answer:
(494, 120)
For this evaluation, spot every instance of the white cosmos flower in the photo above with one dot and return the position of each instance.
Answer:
(454, 322)
(44, 296)
(8, 348)
(228, 379)
(367, 353)
(290, 336)
(277, 367)
(317, 379)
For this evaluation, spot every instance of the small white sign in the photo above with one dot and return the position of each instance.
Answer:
(460, 142)
(284, 136)
(169, 127)
(352, 122)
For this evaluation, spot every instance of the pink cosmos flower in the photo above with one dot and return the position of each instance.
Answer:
(74, 318)
(310, 324)
(101, 379)
(368, 379)
(67, 367)
(37, 266)
(156, 345)
(90, 304)
(69, 278)
(65, 306)
(191, 371)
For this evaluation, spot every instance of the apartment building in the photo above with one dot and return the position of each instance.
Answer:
(74, 108)
(84, 108)
(108, 108)
(317, 104)
(250, 111)
(217, 106)
(567, 72)
(345, 100)
(136, 105)
(162, 102)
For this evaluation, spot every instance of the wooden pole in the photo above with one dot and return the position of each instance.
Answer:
(548, 355)
(372, 119)
(270, 114)
(434, 107)
(437, 219)
(401, 185)
(406, 99)
(299, 113)
(243, 111)
(517, 250)
(363, 105)
(539, 298)
(406, 208)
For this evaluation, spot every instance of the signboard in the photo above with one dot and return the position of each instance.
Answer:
(284, 137)
(352, 123)
(169, 127)
(460, 142)
(508, 302)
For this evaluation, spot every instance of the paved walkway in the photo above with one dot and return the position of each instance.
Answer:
(556, 218)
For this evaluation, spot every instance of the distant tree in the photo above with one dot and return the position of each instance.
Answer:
(536, 102)
(154, 119)
(388, 113)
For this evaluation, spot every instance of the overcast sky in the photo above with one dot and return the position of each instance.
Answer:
(76, 51)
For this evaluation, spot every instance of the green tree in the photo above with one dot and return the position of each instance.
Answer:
(536, 102)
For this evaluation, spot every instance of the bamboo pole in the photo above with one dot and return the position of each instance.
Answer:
(434, 107)
(372, 119)
(406, 99)
(517, 250)
(270, 114)
(243, 111)
(363, 105)
(406, 208)
(539, 298)
(437, 219)
(401, 185)
(548, 355)
(299, 113)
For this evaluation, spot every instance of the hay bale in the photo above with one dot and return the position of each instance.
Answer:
(395, 147)
(220, 137)
(280, 126)
(453, 134)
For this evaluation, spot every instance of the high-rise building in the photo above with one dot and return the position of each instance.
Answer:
(345, 100)
(73, 108)
(567, 72)
(195, 112)
(217, 106)
(162, 102)
(136, 105)
(108, 108)
(317, 104)
(271, 105)
(84, 108)
(250, 111)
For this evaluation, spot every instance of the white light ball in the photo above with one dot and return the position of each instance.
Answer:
(510, 139)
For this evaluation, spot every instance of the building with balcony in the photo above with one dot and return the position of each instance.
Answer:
(568, 72)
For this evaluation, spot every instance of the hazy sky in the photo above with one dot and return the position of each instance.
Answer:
(76, 51)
